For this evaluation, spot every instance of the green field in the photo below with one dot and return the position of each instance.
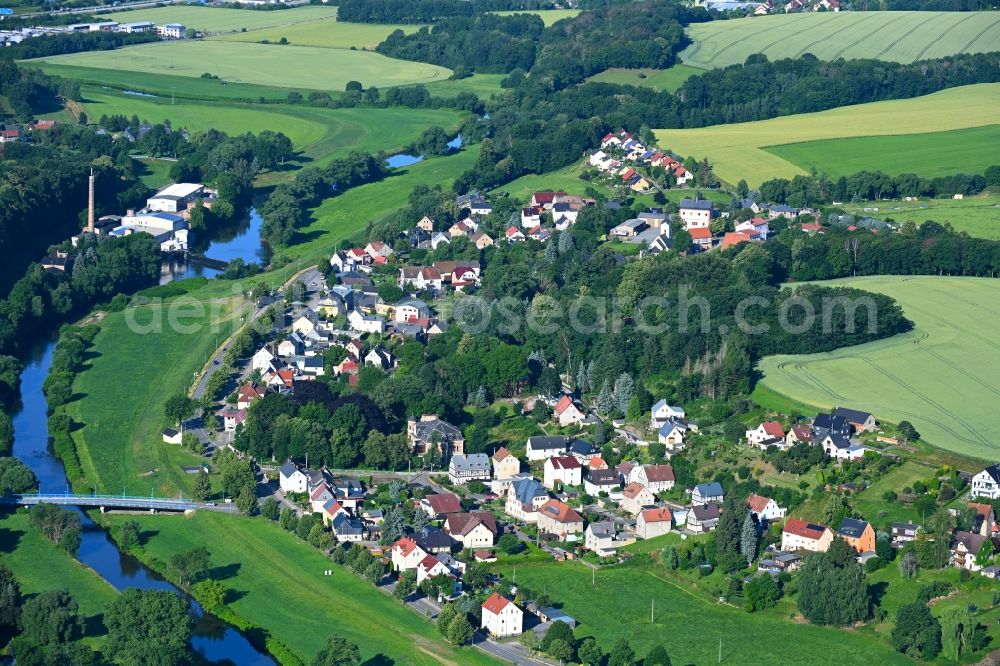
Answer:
(977, 215)
(624, 596)
(325, 32)
(941, 376)
(896, 36)
(658, 79)
(215, 19)
(738, 150)
(933, 154)
(280, 586)
(549, 16)
(262, 64)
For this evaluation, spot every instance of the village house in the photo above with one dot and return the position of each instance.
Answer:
(476, 529)
(695, 213)
(859, 534)
(430, 429)
(441, 504)
(505, 464)
(765, 509)
(545, 199)
(420, 278)
(702, 238)
(705, 493)
(293, 345)
(986, 483)
(768, 430)
(472, 467)
(603, 538)
(319, 496)
(599, 481)
(412, 310)
(380, 357)
(482, 240)
(501, 617)
(363, 323)
(559, 519)
(531, 217)
(347, 529)
(567, 413)
(406, 554)
(305, 324)
(902, 533)
(231, 418)
(671, 434)
(801, 535)
(514, 235)
(291, 479)
(653, 522)
(583, 451)
(656, 478)
(262, 359)
(172, 436)
(429, 567)
(799, 433)
(984, 522)
(434, 540)
(566, 470)
(524, 497)
(703, 517)
(636, 497)
(842, 448)
(964, 549)
(662, 412)
(734, 238)
(859, 421)
(540, 447)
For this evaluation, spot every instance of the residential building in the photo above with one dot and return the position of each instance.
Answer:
(657, 478)
(765, 509)
(524, 496)
(434, 540)
(441, 504)
(765, 431)
(799, 433)
(319, 497)
(291, 479)
(902, 533)
(636, 497)
(859, 534)
(671, 434)
(653, 522)
(842, 448)
(541, 447)
(429, 430)
(986, 483)
(558, 518)
(411, 310)
(406, 554)
(262, 359)
(476, 529)
(347, 528)
(501, 617)
(429, 567)
(567, 413)
(505, 464)
(473, 467)
(705, 493)
(984, 523)
(600, 481)
(566, 470)
(703, 517)
(801, 535)
(695, 213)
(602, 538)
(702, 238)
(859, 421)
(662, 412)
(964, 549)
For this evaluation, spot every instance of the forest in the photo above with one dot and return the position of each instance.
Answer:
(48, 45)
(426, 11)
(28, 90)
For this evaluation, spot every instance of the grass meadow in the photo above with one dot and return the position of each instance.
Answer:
(279, 584)
(261, 64)
(940, 376)
(933, 154)
(325, 32)
(217, 19)
(738, 150)
(896, 36)
(658, 79)
(549, 16)
(976, 215)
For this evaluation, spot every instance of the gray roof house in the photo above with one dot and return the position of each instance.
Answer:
(472, 467)
(541, 447)
(705, 493)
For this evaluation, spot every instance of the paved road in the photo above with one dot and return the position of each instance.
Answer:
(102, 8)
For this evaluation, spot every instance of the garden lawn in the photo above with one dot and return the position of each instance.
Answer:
(155, 173)
(933, 154)
(737, 151)
(896, 36)
(976, 215)
(940, 376)
(281, 587)
(216, 19)
(869, 502)
(122, 393)
(326, 32)
(262, 64)
(658, 79)
(621, 603)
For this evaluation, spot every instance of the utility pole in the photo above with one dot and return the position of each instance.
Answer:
(720, 650)
(652, 610)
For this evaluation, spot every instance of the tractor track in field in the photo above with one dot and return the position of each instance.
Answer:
(700, 42)
(978, 36)
(900, 38)
(806, 48)
(964, 373)
(772, 29)
(939, 37)
(861, 39)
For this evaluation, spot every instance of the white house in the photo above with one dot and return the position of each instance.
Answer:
(476, 529)
(291, 479)
(767, 430)
(567, 413)
(541, 447)
(406, 554)
(524, 497)
(706, 493)
(602, 538)
(657, 478)
(505, 464)
(636, 497)
(363, 323)
(472, 467)
(986, 483)
(262, 359)
(653, 522)
(305, 325)
(501, 617)
(566, 470)
(765, 508)
(429, 567)
(410, 310)
(662, 412)
(842, 448)
(671, 434)
(695, 213)
(801, 535)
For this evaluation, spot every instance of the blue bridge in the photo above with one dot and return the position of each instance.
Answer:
(116, 502)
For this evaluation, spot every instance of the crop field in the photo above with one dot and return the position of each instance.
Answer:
(319, 134)
(326, 33)
(933, 154)
(896, 36)
(279, 585)
(262, 64)
(634, 602)
(216, 19)
(977, 215)
(549, 16)
(941, 376)
(738, 150)
(667, 80)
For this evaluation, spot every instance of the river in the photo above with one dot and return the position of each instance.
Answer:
(236, 241)
(214, 639)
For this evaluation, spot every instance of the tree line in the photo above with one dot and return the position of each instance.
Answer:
(29, 90)
(426, 11)
(75, 42)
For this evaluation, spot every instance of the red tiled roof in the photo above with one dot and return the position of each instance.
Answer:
(802, 432)
(803, 529)
(700, 233)
(657, 515)
(659, 473)
(501, 453)
(735, 238)
(495, 603)
(773, 428)
(405, 545)
(633, 489)
(444, 503)
(565, 462)
(559, 512)
(758, 503)
(564, 403)
(597, 462)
